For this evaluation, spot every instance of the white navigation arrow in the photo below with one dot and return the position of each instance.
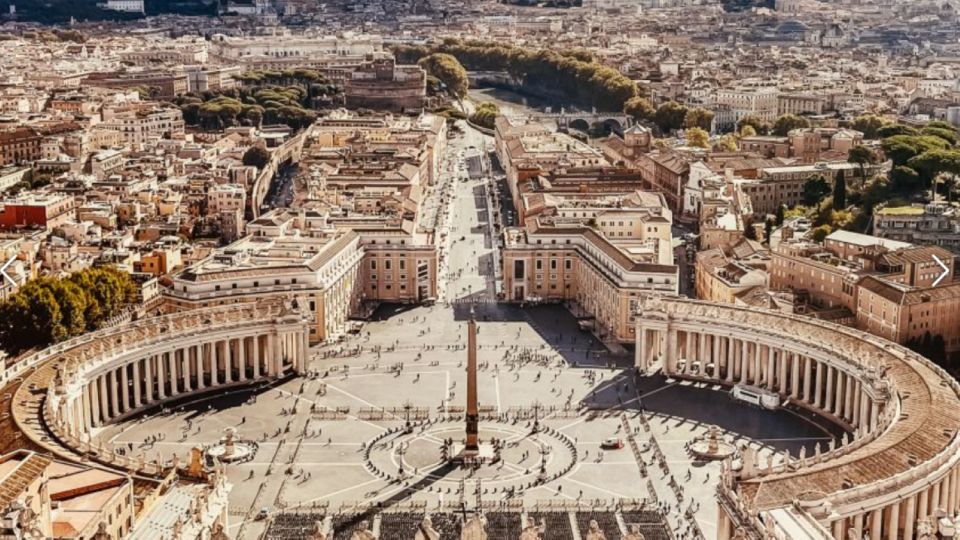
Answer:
(3, 271)
(946, 270)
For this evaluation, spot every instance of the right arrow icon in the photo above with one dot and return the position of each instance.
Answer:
(946, 270)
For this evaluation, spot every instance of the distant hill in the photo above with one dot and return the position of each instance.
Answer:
(59, 11)
(743, 5)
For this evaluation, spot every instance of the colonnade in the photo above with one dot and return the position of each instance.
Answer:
(158, 374)
(900, 471)
(782, 368)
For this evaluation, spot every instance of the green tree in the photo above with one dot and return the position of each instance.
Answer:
(768, 229)
(789, 122)
(814, 190)
(780, 215)
(840, 191)
(820, 233)
(905, 181)
(892, 130)
(485, 115)
(256, 156)
(948, 135)
(758, 124)
(449, 70)
(902, 148)
(869, 125)
(748, 131)
(698, 117)
(726, 143)
(862, 156)
(698, 137)
(670, 116)
(639, 108)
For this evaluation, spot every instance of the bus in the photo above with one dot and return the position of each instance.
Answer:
(756, 396)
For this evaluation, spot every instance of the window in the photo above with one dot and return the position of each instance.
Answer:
(553, 264)
(373, 264)
(386, 264)
(518, 270)
(403, 264)
(539, 265)
(568, 264)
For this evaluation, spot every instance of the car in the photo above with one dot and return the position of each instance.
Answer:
(611, 443)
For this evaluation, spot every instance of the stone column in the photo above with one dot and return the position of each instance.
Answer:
(137, 382)
(744, 361)
(103, 413)
(215, 363)
(818, 386)
(910, 518)
(185, 361)
(124, 388)
(688, 354)
(839, 392)
(794, 375)
(730, 359)
(874, 415)
(672, 345)
(828, 397)
(227, 345)
(771, 378)
(114, 398)
(640, 360)
(807, 378)
(858, 524)
(256, 357)
(161, 377)
(876, 524)
(783, 358)
(715, 354)
(757, 362)
(87, 415)
(923, 504)
(148, 379)
(242, 358)
(200, 349)
(848, 398)
(865, 409)
(857, 397)
(893, 523)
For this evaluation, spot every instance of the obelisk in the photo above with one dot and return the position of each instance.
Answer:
(472, 445)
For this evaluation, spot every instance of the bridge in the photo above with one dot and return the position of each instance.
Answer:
(583, 121)
(288, 152)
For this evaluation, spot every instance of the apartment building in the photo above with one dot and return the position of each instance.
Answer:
(936, 224)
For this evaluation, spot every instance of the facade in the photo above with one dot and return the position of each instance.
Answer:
(599, 257)
(137, 125)
(41, 211)
(846, 376)
(380, 84)
(936, 224)
(20, 145)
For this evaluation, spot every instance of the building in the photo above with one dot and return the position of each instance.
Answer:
(724, 280)
(936, 224)
(381, 84)
(599, 253)
(836, 373)
(36, 211)
(20, 145)
(140, 124)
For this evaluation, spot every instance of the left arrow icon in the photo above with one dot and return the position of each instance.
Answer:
(3, 271)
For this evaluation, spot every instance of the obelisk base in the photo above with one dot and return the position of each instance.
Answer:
(484, 453)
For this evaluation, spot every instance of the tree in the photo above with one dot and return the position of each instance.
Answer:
(820, 233)
(449, 70)
(902, 148)
(47, 310)
(781, 214)
(814, 190)
(485, 115)
(639, 108)
(839, 191)
(670, 116)
(749, 231)
(932, 163)
(892, 130)
(698, 117)
(768, 229)
(256, 156)
(862, 156)
(789, 122)
(869, 125)
(948, 135)
(698, 137)
(905, 181)
(748, 131)
(726, 143)
(755, 122)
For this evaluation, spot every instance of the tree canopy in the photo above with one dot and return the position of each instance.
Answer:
(573, 76)
(789, 122)
(639, 108)
(670, 116)
(47, 310)
(698, 137)
(485, 115)
(449, 71)
(814, 190)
